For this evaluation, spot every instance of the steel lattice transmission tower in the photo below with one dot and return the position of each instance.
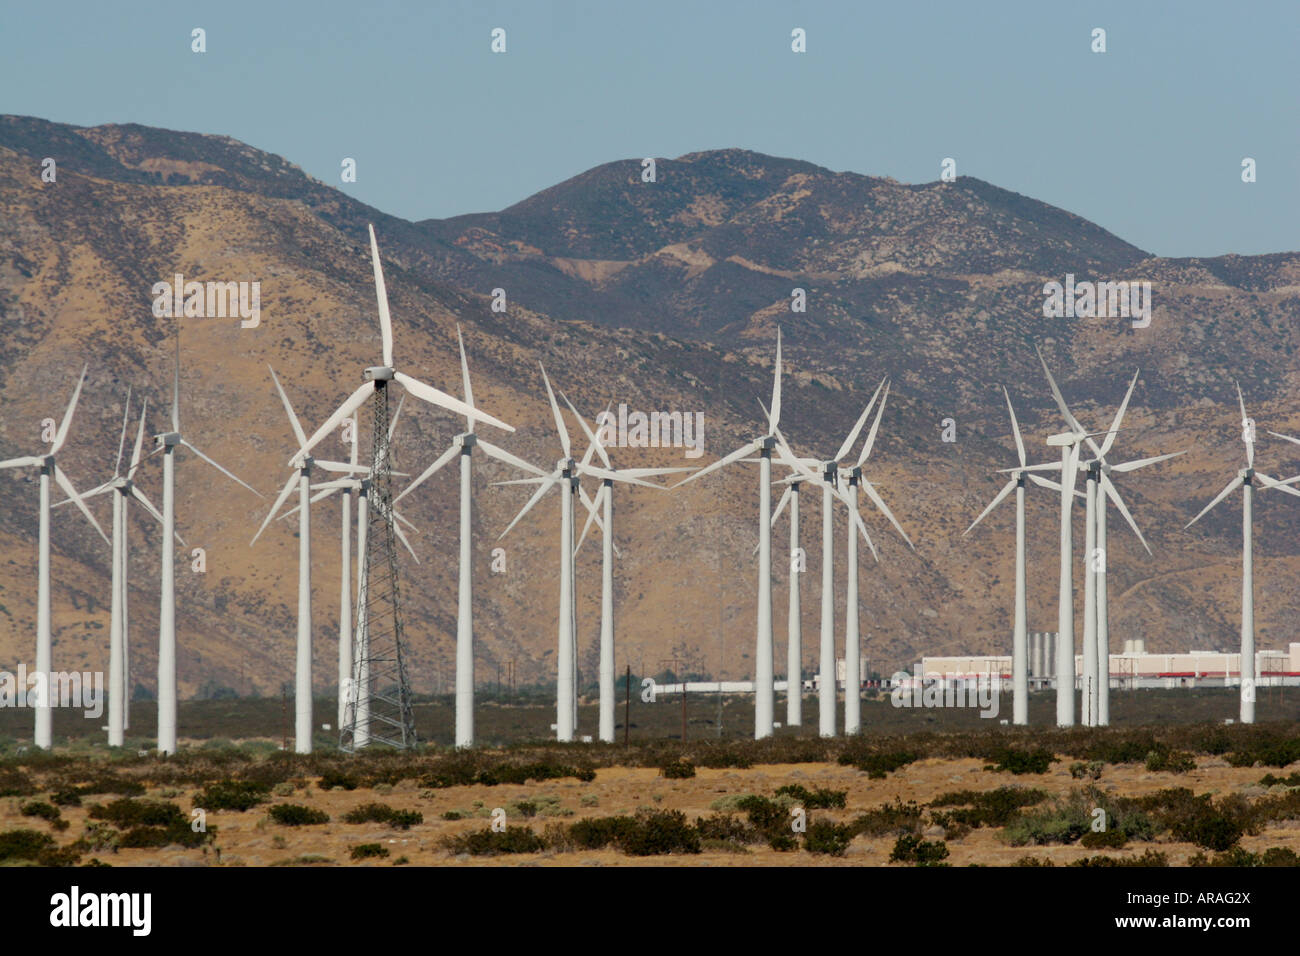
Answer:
(379, 696)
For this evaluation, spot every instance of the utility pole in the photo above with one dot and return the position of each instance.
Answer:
(627, 707)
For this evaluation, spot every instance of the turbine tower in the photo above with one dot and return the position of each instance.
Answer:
(1246, 479)
(1019, 639)
(462, 447)
(764, 690)
(303, 655)
(125, 490)
(168, 442)
(44, 734)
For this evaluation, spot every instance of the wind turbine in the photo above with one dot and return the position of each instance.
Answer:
(302, 478)
(1019, 645)
(764, 691)
(1246, 479)
(462, 446)
(602, 506)
(1099, 487)
(168, 442)
(378, 376)
(44, 733)
(124, 489)
(569, 471)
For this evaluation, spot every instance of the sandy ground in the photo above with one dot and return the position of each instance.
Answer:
(251, 839)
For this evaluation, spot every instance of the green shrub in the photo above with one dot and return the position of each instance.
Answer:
(66, 798)
(678, 770)
(659, 832)
(988, 808)
(1162, 759)
(1068, 818)
(366, 851)
(888, 819)
(1292, 780)
(1147, 858)
(128, 812)
(828, 838)
(1091, 770)
(1007, 759)
(15, 783)
(910, 848)
(39, 808)
(1214, 825)
(332, 779)
(24, 844)
(383, 813)
(876, 764)
(239, 795)
(492, 842)
(726, 829)
(1111, 838)
(296, 815)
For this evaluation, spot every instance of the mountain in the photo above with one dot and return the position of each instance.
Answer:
(659, 295)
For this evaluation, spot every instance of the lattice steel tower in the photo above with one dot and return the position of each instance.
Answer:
(379, 696)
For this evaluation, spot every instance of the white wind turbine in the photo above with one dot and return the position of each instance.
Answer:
(124, 489)
(44, 733)
(388, 372)
(833, 476)
(303, 654)
(1019, 640)
(168, 442)
(1098, 487)
(462, 446)
(764, 690)
(602, 508)
(1246, 479)
(569, 471)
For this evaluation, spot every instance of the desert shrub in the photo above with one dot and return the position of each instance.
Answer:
(599, 832)
(1091, 770)
(383, 813)
(106, 782)
(888, 819)
(39, 808)
(237, 795)
(296, 815)
(1214, 825)
(988, 808)
(771, 818)
(1011, 760)
(332, 779)
(173, 834)
(1269, 751)
(1281, 806)
(453, 815)
(98, 836)
(366, 851)
(1126, 748)
(1110, 838)
(819, 799)
(492, 842)
(1068, 818)
(1146, 858)
(678, 770)
(1162, 759)
(876, 764)
(726, 829)
(67, 797)
(659, 832)
(910, 848)
(15, 783)
(826, 837)
(1033, 861)
(24, 844)
(128, 812)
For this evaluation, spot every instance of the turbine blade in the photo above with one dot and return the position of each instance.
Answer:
(350, 405)
(774, 418)
(441, 399)
(62, 434)
(862, 527)
(139, 496)
(220, 469)
(593, 507)
(392, 425)
(464, 374)
(649, 472)
(1231, 486)
(1055, 486)
(857, 428)
(401, 536)
(879, 502)
(1119, 417)
(1015, 428)
(285, 492)
(780, 505)
(1071, 470)
(1268, 482)
(875, 427)
(559, 419)
(1143, 462)
(338, 467)
(595, 443)
(787, 458)
(381, 294)
(176, 383)
(500, 454)
(71, 492)
(26, 461)
(545, 486)
(438, 463)
(997, 500)
(735, 456)
(1113, 493)
(352, 457)
(121, 442)
(1250, 445)
(139, 440)
(288, 409)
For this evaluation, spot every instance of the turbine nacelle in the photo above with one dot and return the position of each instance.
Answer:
(167, 440)
(466, 440)
(1065, 439)
(379, 373)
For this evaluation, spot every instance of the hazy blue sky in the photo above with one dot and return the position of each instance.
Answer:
(1146, 140)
